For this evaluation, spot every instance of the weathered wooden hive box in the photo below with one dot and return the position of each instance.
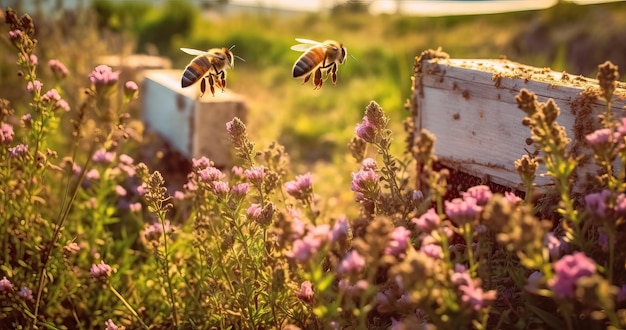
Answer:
(469, 105)
(194, 126)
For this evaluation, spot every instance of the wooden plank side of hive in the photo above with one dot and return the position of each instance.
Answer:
(194, 126)
(469, 105)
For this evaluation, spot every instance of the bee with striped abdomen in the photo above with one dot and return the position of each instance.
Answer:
(318, 57)
(208, 65)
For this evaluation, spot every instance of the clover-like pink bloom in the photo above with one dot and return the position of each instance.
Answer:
(428, 221)
(58, 69)
(101, 271)
(103, 75)
(353, 262)
(462, 211)
(567, 271)
(306, 293)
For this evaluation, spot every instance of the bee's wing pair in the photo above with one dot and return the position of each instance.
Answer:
(197, 52)
(307, 44)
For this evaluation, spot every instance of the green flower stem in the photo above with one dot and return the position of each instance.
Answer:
(467, 235)
(128, 306)
(61, 218)
(166, 267)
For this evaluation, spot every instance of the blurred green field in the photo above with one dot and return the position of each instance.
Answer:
(316, 125)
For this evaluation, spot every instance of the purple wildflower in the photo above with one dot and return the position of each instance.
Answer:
(62, 104)
(103, 75)
(255, 174)
(365, 182)
(210, 174)
(462, 211)
(399, 241)
(92, 175)
(58, 69)
(18, 150)
(134, 207)
(52, 95)
(120, 191)
(102, 156)
(110, 325)
(304, 248)
(353, 262)
(71, 248)
(16, 36)
(26, 119)
(34, 86)
(339, 230)
(25, 293)
(428, 221)
(460, 276)
(432, 250)
(237, 171)
(154, 231)
(131, 90)
(306, 293)
(366, 130)
(599, 138)
(179, 195)
(33, 59)
(239, 191)
(6, 133)
(254, 211)
(126, 159)
(368, 164)
(567, 271)
(482, 194)
(101, 271)
(511, 197)
(201, 163)
(301, 188)
(310, 244)
(220, 188)
(472, 294)
(555, 245)
(533, 282)
(6, 285)
(595, 203)
(475, 297)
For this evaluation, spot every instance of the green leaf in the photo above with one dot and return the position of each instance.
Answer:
(551, 320)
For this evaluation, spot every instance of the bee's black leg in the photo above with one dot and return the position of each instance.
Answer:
(333, 70)
(212, 84)
(308, 76)
(202, 86)
(317, 80)
(223, 79)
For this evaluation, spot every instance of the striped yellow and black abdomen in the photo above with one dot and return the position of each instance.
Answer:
(195, 71)
(308, 62)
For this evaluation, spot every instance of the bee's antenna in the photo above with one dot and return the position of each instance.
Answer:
(353, 57)
(233, 46)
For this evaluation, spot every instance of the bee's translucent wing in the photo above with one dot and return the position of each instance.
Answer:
(196, 52)
(305, 44)
(308, 41)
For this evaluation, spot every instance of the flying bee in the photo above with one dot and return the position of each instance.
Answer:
(318, 57)
(208, 65)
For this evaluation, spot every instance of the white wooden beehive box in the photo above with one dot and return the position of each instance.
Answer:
(469, 105)
(193, 125)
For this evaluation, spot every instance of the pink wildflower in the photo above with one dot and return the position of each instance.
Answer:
(567, 271)
(6, 133)
(58, 69)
